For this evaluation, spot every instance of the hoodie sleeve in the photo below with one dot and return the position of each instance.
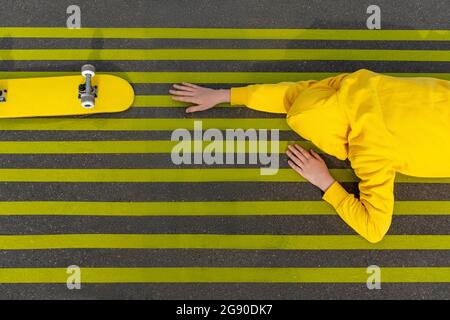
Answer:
(276, 97)
(371, 214)
(273, 97)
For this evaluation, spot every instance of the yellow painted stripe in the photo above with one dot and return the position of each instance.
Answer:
(202, 275)
(225, 54)
(179, 175)
(220, 241)
(157, 175)
(213, 208)
(98, 124)
(129, 147)
(158, 101)
(214, 77)
(194, 77)
(226, 33)
(162, 101)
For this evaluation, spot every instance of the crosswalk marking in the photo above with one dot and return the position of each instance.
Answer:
(322, 243)
(199, 275)
(227, 33)
(180, 175)
(222, 241)
(124, 147)
(195, 208)
(100, 124)
(212, 77)
(224, 54)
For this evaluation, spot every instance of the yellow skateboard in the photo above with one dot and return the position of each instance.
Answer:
(66, 95)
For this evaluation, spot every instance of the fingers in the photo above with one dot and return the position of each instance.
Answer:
(191, 85)
(298, 153)
(182, 93)
(185, 99)
(194, 109)
(316, 155)
(302, 151)
(186, 88)
(293, 158)
(295, 167)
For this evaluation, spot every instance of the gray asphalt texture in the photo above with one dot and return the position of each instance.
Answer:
(328, 14)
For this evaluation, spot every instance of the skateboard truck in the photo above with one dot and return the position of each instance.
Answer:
(3, 95)
(86, 92)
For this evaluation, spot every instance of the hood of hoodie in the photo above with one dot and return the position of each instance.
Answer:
(317, 116)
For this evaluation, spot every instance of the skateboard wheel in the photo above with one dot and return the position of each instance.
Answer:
(87, 102)
(88, 69)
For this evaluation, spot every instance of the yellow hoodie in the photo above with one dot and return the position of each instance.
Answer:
(382, 124)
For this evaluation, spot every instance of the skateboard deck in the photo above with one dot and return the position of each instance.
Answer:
(58, 96)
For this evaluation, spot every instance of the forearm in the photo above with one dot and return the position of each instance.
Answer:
(224, 95)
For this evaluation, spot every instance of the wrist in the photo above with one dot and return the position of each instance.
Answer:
(223, 95)
(327, 184)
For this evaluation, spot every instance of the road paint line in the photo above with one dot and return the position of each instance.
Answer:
(226, 33)
(220, 241)
(180, 175)
(132, 147)
(213, 77)
(223, 54)
(99, 124)
(155, 101)
(208, 208)
(227, 275)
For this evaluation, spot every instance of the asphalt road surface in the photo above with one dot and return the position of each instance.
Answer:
(103, 194)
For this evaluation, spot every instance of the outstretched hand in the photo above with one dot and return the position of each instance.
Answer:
(204, 98)
(310, 166)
